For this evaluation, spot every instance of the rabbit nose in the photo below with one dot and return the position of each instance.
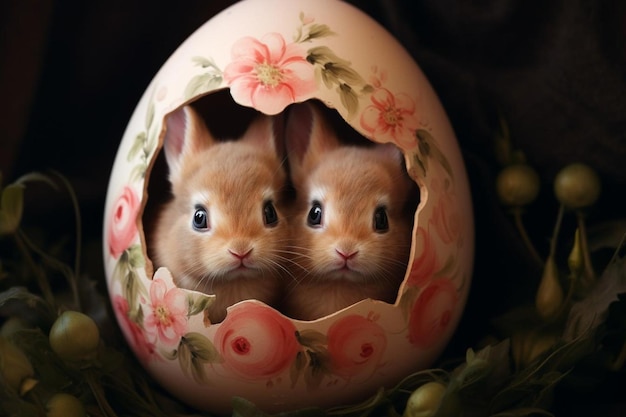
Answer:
(240, 254)
(346, 255)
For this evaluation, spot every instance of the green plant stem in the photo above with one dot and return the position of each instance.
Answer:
(517, 217)
(557, 229)
(44, 286)
(590, 275)
(98, 393)
(71, 279)
(52, 261)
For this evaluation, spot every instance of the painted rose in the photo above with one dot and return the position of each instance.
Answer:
(425, 263)
(144, 349)
(256, 342)
(432, 313)
(355, 345)
(269, 74)
(391, 118)
(445, 218)
(166, 318)
(122, 227)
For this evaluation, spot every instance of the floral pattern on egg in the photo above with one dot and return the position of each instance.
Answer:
(256, 345)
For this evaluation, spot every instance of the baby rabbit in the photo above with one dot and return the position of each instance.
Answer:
(224, 232)
(353, 218)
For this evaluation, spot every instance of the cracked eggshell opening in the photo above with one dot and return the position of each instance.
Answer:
(303, 49)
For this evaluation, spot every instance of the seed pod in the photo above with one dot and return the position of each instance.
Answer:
(15, 368)
(549, 298)
(65, 405)
(74, 337)
(425, 400)
(577, 186)
(575, 260)
(517, 185)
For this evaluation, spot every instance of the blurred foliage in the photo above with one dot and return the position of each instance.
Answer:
(573, 334)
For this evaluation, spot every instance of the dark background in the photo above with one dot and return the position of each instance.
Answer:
(72, 72)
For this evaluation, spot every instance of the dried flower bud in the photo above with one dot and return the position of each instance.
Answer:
(65, 405)
(577, 186)
(517, 185)
(549, 298)
(74, 336)
(526, 346)
(15, 368)
(575, 260)
(12, 325)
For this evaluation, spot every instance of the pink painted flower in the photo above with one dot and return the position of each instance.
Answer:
(269, 74)
(256, 342)
(425, 263)
(144, 349)
(432, 313)
(445, 217)
(355, 345)
(378, 77)
(391, 118)
(167, 315)
(123, 225)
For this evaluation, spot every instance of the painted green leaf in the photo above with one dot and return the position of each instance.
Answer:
(135, 256)
(202, 83)
(202, 348)
(169, 355)
(194, 352)
(317, 31)
(420, 163)
(408, 300)
(197, 303)
(138, 172)
(296, 368)
(328, 78)
(11, 208)
(150, 115)
(204, 62)
(367, 89)
(322, 55)
(311, 339)
(131, 290)
(344, 73)
(349, 99)
(137, 315)
(138, 143)
(316, 370)
(428, 148)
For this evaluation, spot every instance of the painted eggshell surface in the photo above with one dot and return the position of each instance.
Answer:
(269, 54)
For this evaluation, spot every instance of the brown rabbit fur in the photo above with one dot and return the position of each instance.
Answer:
(353, 219)
(225, 231)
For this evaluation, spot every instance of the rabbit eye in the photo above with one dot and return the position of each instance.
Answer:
(381, 223)
(200, 219)
(315, 215)
(270, 217)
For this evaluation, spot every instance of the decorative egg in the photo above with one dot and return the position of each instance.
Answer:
(265, 55)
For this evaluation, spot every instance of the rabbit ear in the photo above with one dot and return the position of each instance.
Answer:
(185, 134)
(390, 152)
(264, 132)
(307, 138)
